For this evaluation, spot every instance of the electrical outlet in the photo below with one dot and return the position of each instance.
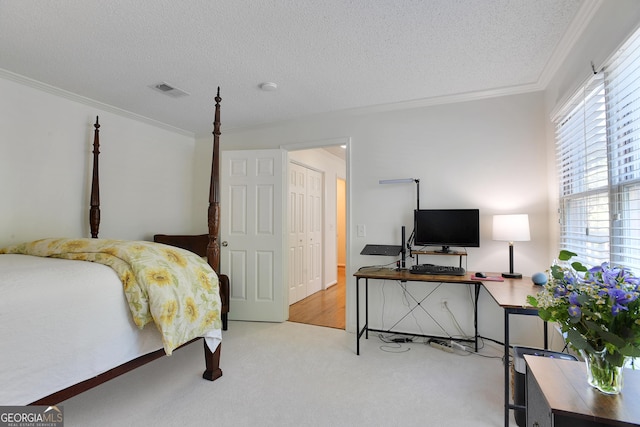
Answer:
(443, 304)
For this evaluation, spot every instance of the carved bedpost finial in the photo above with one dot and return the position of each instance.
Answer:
(213, 247)
(94, 211)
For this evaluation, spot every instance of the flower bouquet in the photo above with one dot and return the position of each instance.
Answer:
(598, 311)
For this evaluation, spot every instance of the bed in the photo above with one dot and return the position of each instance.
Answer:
(76, 328)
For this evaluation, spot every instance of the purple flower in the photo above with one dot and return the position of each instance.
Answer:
(633, 281)
(573, 299)
(559, 292)
(617, 295)
(616, 308)
(630, 296)
(574, 311)
(598, 268)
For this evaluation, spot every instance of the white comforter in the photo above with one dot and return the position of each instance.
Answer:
(54, 336)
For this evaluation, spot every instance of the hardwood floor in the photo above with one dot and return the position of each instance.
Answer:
(324, 308)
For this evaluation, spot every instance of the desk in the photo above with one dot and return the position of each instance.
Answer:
(511, 295)
(381, 273)
(558, 394)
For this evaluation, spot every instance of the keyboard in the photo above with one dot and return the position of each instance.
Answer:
(444, 270)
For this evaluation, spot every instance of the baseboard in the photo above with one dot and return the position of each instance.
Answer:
(330, 284)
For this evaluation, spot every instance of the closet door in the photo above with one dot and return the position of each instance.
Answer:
(305, 232)
(314, 231)
(297, 251)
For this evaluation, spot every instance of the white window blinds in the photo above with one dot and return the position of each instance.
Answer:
(598, 159)
(581, 146)
(622, 86)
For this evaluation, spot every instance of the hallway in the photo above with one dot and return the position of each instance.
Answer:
(324, 308)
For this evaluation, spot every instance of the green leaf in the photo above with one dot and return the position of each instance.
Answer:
(533, 302)
(566, 255)
(607, 336)
(614, 357)
(577, 266)
(630, 350)
(545, 315)
(583, 300)
(556, 272)
(577, 340)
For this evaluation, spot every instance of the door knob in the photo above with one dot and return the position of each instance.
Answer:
(225, 243)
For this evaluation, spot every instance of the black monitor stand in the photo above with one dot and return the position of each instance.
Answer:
(403, 252)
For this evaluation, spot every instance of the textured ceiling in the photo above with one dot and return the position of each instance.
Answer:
(325, 55)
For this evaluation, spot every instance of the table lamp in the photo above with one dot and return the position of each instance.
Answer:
(511, 228)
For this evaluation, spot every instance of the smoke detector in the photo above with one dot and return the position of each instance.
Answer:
(167, 89)
(268, 86)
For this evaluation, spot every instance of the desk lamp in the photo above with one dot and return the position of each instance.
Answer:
(511, 228)
(404, 181)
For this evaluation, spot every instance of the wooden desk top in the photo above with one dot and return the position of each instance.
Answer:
(385, 273)
(511, 293)
(565, 388)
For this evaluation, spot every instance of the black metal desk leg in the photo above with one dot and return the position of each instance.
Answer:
(366, 308)
(475, 315)
(358, 316)
(506, 368)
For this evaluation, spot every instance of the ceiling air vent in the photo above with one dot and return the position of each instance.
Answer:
(167, 89)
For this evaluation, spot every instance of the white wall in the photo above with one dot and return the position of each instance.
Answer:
(487, 154)
(45, 170)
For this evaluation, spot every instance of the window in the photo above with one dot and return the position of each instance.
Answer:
(598, 159)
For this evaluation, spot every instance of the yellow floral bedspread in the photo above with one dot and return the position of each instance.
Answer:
(172, 287)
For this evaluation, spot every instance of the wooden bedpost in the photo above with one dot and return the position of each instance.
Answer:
(213, 216)
(213, 247)
(212, 359)
(94, 212)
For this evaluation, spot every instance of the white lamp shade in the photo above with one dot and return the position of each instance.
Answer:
(511, 228)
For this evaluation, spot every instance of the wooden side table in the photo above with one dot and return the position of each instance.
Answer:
(558, 395)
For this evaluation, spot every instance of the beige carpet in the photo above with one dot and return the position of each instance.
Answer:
(292, 374)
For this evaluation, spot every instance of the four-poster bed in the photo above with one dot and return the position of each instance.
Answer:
(99, 336)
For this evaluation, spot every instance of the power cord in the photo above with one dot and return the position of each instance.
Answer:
(394, 345)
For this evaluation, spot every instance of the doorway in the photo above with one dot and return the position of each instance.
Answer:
(326, 306)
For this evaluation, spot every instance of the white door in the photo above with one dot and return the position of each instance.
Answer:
(305, 232)
(314, 234)
(297, 233)
(252, 233)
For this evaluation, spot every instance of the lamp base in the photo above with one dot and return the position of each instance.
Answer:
(512, 275)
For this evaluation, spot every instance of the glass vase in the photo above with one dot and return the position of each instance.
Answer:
(601, 374)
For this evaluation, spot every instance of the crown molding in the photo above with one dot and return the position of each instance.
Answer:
(35, 84)
(571, 36)
(448, 99)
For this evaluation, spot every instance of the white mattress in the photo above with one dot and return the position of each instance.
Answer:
(62, 322)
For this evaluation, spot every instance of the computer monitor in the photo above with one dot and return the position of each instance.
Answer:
(446, 228)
